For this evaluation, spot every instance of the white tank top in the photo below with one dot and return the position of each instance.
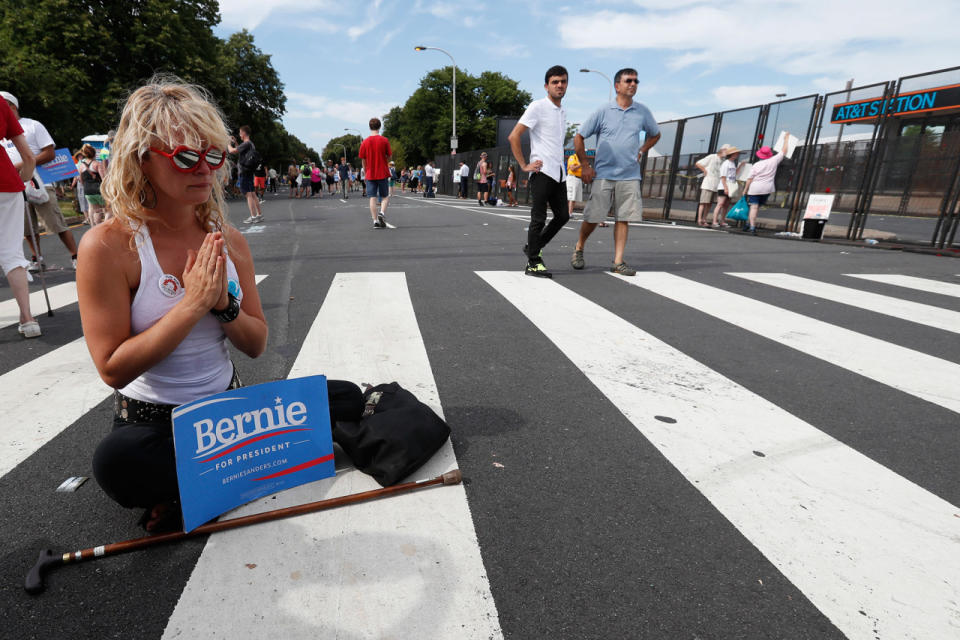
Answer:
(200, 365)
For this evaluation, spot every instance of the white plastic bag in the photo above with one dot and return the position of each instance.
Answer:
(35, 195)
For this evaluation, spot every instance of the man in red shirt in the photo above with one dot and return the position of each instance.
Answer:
(375, 153)
(12, 261)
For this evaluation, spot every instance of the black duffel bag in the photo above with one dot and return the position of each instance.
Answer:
(396, 435)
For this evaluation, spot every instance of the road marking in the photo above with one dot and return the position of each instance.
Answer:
(913, 372)
(903, 309)
(877, 554)
(61, 295)
(912, 282)
(526, 218)
(67, 373)
(45, 396)
(405, 567)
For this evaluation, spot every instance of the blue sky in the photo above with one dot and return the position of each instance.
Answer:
(343, 62)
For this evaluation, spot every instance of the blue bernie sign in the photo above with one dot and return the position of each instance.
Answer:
(246, 443)
(60, 168)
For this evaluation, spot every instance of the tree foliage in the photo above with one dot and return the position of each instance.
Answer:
(71, 63)
(335, 148)
(423, 124)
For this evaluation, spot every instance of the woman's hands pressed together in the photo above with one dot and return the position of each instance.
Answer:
(205, 275)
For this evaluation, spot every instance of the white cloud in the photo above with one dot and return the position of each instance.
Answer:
(308, 106)
(323, 16)
(864, 39)
(249, 14)
(449, 12)
(744, 95)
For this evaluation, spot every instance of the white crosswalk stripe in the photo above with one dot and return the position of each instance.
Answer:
(406, 567)
(912, 282)
(61, 295)
(904, 309)
(30, 418)
(919, 374)
(874, 552)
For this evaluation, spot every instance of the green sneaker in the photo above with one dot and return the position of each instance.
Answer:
(577, 260)
(537, 269)
(622, 269)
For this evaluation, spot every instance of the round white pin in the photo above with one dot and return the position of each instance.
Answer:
(169, 285)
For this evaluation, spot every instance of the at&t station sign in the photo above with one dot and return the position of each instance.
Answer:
(937, 99)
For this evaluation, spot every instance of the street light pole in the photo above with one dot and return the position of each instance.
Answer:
(776, 118)
(357, 130)
(610, 94)
(453, 138)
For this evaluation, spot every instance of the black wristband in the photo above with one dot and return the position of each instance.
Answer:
(230, 313)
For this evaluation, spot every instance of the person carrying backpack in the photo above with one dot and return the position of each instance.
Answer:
(247, 161)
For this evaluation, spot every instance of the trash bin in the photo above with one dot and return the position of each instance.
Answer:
(813, 229)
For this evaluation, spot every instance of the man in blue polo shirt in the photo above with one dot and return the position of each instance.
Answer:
(617, 126)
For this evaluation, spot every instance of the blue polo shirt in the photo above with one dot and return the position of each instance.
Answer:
(618, 139)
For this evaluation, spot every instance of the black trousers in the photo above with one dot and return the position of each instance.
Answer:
(464, 185)
(135, 464)
(545, 190)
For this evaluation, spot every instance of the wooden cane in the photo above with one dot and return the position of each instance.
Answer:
(49, 560)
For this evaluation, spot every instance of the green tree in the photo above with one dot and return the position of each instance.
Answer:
(71, 63)
(423, 124)
(335, 147)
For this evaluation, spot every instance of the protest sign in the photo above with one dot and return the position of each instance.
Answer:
(242, 444)
(60, 168)
(818, 206)
(792, 143)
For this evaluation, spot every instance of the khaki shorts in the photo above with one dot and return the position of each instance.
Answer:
(707, 196)
(622, 195)
(49, 212)
(574, 189)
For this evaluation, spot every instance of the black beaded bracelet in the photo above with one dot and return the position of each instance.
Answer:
(231, 312)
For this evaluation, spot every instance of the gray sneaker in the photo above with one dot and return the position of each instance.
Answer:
(623, 270)
(577, 260)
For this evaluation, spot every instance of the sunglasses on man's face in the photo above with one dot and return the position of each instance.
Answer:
(629, 80)
(187, 160)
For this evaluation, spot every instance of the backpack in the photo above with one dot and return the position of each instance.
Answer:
(251, 159)
(90, 179)
(395, 436)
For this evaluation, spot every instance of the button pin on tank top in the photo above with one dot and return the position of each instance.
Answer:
(233, 288)
(169, 285)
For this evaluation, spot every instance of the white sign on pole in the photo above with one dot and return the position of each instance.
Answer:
(818, 206)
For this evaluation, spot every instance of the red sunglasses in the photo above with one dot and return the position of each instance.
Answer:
(187, 160)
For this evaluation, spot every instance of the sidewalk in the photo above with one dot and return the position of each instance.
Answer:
(768, 219)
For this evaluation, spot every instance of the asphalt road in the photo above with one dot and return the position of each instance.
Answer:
(595, 515)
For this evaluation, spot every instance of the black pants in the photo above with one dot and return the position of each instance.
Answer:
(135, 464)
(427, 186)
(464, 185)
(545, 190)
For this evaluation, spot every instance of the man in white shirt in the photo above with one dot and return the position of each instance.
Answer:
(42, 146)
(464, 179)
(547, 122)
(429, 174)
